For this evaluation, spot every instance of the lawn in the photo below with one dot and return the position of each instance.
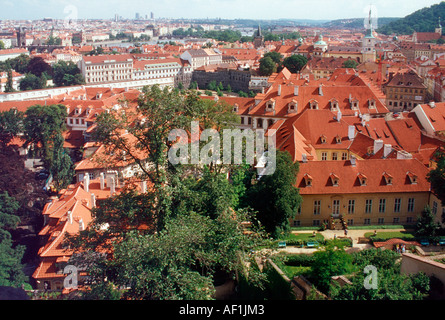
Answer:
(304, 237)
(383, 236)
(298, 239)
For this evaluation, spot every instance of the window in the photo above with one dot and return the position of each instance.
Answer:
(409, 220)
(368, 206)
(367, 221)
(334, 156)
(316, 222)
(397, 203)
(411, 205)
(381, 221)
(351, 206)
(396, 220)
(297, 223)
(344, 156)
(324, 156)
(317, 206)
(336, 207)
(434, 208)
(350, 222)
(382, 205)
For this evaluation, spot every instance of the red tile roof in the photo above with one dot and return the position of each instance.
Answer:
(373, 169)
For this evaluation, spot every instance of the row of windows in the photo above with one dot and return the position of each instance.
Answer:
(351, 207)
(76, 121)
(366, 221)
(404, 90)
(334, 156)
(100, 67)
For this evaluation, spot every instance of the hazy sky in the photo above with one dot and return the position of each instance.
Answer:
(231, 9)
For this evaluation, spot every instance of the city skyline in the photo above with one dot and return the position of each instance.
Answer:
(200, 9)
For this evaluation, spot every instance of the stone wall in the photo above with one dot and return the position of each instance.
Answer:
(238, 80)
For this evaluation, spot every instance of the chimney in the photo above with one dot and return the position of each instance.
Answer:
(378, 144)
(144, 186)
(304, 157)
(112, 185)
(339, 115)
(387, 150)
(70, 217)
(86, 182)
(320, 90)
(93, 200)
(353, 161)
(351, 132)
(296, 91)
(81, 225)
(279, 90)
(102, 181)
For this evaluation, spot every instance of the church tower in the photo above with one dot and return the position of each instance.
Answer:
(258, 39)
(368, 44)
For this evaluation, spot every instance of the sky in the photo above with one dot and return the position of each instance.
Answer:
(225, 9)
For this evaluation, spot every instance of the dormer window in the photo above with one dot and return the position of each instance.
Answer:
(354, 104)
(323, 138)
(412, 177)
(338, 139)
(334, 105)
(307, 180)
(371, 104)
(334, 179)
(362, 179)
(78, 110)
(235, 108)
(388, 178)
(292, 107)
(313, 104)
(270, 105)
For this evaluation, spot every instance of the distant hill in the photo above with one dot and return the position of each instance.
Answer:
(357, 23)
(423, 20)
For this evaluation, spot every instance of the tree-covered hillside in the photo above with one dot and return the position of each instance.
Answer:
(357, 23)
(423, 20)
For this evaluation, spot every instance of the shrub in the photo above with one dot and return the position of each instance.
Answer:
(303, 260)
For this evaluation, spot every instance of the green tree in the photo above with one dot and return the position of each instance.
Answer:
(62, 168)
(212, 85)
(330, 260)
(267, 66)
(295, 63)
(43, 125)
(275, 56)
(11, 124)
(32, 82)
(437, 177)
(9, 85)
(2, 45)
(67, 74)
(426, 226)
(391, 283)
(193, 85)
(351, 64)
(275, 197)
(11, 269)
(54, 41)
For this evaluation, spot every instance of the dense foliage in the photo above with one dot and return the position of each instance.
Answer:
(423, 20)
